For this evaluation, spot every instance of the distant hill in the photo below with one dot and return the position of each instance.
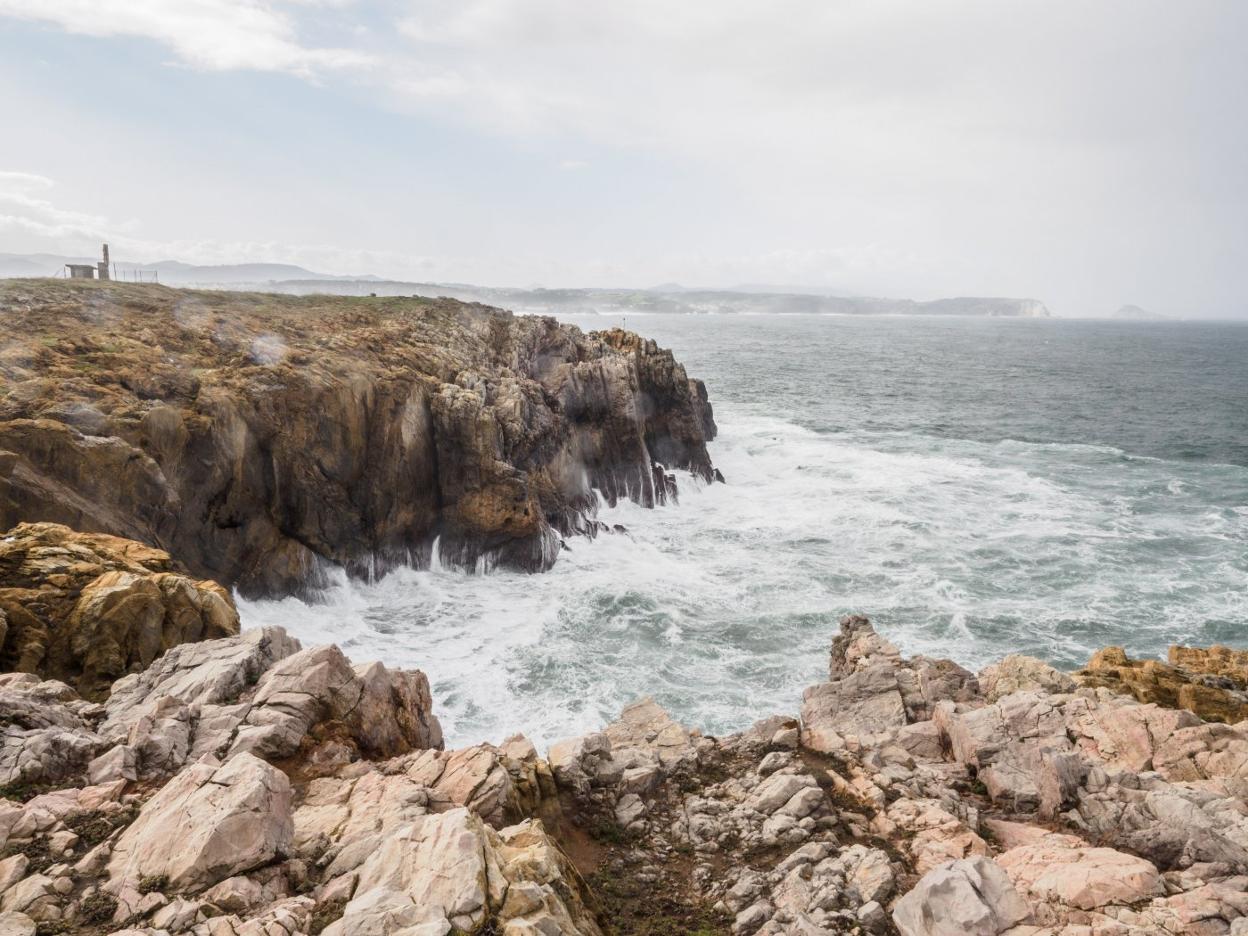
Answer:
(1136, 314)
(173, 272)
(671, 298)
(685, 301)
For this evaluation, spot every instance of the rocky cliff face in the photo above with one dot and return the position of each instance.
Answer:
(260, 438)
(248, 786)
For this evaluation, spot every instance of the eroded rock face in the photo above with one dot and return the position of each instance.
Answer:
(873, 694)
(87, 609)
(1211, 683)
(48, 732)
(263, 694)
(260, 437)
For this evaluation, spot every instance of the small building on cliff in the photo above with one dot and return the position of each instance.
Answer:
(98, 270)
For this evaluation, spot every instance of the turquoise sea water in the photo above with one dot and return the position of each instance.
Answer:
(976, 486)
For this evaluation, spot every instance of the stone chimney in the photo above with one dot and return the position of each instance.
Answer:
(102, 266)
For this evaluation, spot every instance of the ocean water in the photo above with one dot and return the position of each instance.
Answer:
(975, 486)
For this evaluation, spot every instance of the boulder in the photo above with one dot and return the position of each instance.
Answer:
(1018, 673)
(87, 608)
(208, 823)
(378, 712)
(1062, 869)
(971, 897)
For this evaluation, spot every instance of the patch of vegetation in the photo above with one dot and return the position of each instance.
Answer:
(150, 883)
(52, 927)
(38, 855)
(609, 832)
(98, 908)
(95, 825)
(627, 911)
(328, 912)
(24, 792)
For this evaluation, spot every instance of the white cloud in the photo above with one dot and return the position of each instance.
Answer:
(209, 34)
(14, 181)
(27, 218)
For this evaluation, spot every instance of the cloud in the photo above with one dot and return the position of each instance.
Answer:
(214, 35)
(13, 181)
(26, 218)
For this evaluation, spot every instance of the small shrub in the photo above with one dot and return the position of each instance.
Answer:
(24, 792)
(37, 854)
(95, 825)
(98, 908)
(328, 912)
(149, 883)
(608, 832)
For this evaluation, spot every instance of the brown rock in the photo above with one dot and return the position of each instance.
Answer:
(1215, 694)
(88, 608)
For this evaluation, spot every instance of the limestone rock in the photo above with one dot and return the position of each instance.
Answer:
(384, 713)
(1017, 673)
(863, 705)
(262, 693)
(207, 824)
(971, 897)
(16, 924)
(1062, 869)
(45, 736)
(451, 870)
(644, 726)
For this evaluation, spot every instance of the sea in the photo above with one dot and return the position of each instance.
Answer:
(976, 486)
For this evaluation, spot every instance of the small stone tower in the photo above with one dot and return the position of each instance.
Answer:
(102, 266)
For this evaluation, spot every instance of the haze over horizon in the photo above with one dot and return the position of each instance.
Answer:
(1088, 157)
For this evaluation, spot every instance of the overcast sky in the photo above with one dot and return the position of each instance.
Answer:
(1088, 154)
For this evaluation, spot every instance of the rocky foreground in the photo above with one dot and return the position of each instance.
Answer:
(265, 439)
(244, 784)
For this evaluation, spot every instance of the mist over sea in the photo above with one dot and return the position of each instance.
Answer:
(976, 486)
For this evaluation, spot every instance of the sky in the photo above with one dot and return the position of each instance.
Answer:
(1088, 154)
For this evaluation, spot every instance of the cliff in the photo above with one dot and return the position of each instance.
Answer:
(261, 438)
(248, 786)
